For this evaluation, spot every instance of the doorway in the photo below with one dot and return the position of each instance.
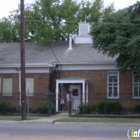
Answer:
(76, 92)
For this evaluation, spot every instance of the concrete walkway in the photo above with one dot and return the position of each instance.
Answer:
(48, 119)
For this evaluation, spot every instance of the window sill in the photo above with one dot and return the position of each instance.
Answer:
(115, 98)
(136, 98)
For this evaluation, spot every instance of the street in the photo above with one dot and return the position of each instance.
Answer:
(64, 130)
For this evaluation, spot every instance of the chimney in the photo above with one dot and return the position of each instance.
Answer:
(70, 42)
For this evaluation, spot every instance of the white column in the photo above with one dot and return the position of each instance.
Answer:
(57, 92)
(87, 93)
(83, 91)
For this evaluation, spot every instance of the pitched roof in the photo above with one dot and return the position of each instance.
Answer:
(36, 53)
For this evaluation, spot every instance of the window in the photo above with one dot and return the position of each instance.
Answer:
(7, 87)
(29, 86)
(136, 85)
(113, 85)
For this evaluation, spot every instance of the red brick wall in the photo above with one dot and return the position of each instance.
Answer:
(41, 88)
(98, 85)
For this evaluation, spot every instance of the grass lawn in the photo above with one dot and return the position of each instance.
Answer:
(18, 118)
(100, 120)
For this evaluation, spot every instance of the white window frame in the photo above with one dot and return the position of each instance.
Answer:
(138, 84)
(11, 86)
(113, 97)
(29, 87)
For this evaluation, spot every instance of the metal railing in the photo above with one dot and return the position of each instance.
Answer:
(94, 106)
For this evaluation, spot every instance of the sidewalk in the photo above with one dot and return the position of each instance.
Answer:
(48, 119)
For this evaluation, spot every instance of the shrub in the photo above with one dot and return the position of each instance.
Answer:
(107, 107)
(137, 108)
(85, 108)
(5, 107)
(44, 108)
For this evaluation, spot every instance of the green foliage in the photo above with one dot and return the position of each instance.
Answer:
(137, 108)
(44, 108)
(7, 33)
(108, 107)
(118, 35)
(86, 108)
(5, 107)
(53, 20)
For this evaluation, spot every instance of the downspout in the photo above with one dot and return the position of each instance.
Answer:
(57, 71)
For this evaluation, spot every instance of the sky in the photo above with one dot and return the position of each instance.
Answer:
(10, 5)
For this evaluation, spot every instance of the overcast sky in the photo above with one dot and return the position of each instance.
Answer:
(10, 5)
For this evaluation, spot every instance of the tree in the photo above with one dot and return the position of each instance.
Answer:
(7, 32)
(118, 34)
(54, 20)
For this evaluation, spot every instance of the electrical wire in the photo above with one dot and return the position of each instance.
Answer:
(55, 55)
(92, 23)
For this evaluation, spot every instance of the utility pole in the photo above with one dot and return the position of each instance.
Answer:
(22, 46)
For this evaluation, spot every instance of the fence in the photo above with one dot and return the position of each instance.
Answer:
(95, 106)
(124, 106)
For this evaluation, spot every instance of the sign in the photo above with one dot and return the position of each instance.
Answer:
(132, 133)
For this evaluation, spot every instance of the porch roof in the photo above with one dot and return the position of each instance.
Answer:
(72, 79)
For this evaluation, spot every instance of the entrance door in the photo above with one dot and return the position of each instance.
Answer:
(76, 92)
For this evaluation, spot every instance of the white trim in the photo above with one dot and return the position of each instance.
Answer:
(70, 81)
(43, 65)
(117, 86)
(62, 81)
(89, 67)
(65, 66)
(28, 70)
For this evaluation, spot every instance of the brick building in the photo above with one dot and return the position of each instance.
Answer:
(63, 66)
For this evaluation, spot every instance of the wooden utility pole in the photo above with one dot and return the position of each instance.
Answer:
(22, 45)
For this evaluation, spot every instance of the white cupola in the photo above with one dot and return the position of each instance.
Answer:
(83, 35)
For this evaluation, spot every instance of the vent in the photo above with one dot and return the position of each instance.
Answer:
(84, 29)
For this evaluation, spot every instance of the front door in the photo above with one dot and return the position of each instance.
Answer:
(76, 92)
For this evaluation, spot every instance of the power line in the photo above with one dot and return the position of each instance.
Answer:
(55, 55)
(92, 23)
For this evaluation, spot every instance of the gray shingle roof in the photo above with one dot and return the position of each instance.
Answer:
(36, 53)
